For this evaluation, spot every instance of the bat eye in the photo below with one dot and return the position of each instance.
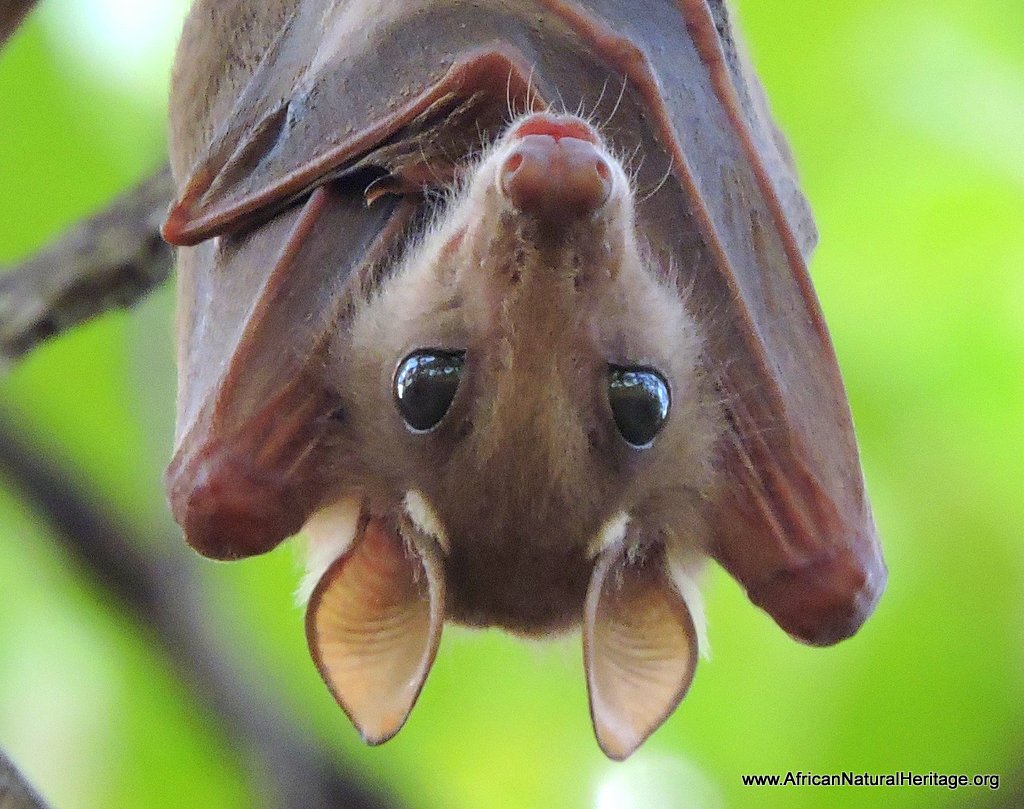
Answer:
(640, 400)
(425, 384)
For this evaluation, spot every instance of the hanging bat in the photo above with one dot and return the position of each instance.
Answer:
(506, 303)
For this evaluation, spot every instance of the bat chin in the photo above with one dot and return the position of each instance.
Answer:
(556, 127)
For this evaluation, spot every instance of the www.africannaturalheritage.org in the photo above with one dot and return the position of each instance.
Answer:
(864, 779)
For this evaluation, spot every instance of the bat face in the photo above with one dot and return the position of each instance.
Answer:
(526, 379)
(538, 402)
(522, 408)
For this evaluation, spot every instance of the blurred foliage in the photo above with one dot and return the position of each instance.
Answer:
(907, 121)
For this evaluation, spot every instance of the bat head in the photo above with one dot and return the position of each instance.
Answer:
(525, 436)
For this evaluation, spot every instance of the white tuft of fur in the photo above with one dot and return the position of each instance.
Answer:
(613, 532)
(329, 534)
(685, 566)
(425, 518)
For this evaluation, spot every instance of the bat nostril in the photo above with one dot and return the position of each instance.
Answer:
(601, 167)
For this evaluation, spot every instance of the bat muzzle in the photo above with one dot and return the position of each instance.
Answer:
(556, 169)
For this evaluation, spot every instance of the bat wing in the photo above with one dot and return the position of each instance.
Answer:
(279, 242)
(405, 90)
(790, 518)
(253, 410)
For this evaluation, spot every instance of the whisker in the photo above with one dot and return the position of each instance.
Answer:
(593, 112)
(508, 98)
(531, 100)
(657, 188)
(618, 101)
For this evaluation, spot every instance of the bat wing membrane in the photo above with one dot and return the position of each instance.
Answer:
(789, 517)
(272, 266)
(255, 408)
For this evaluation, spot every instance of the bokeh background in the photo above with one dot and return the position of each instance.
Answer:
(907, 121)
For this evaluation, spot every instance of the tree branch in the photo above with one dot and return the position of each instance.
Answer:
(107, 261)
(15, 792)
(110, 260)
(12, 12)
(161, 593)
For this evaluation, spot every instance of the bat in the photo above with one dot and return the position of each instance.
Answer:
(505, 302)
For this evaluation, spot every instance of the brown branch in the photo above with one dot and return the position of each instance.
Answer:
(107, 261)
(12, 13)
(161, 593)
(15, 792)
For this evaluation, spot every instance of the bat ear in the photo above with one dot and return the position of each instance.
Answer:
(639, 648)
(374, 624)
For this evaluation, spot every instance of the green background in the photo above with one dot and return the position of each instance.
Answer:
(907, 121)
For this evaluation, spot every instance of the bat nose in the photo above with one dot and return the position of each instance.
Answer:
(554, 173)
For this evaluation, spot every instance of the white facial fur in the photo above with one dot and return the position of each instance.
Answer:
(329, 534)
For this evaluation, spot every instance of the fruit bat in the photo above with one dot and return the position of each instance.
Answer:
(506, 303)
